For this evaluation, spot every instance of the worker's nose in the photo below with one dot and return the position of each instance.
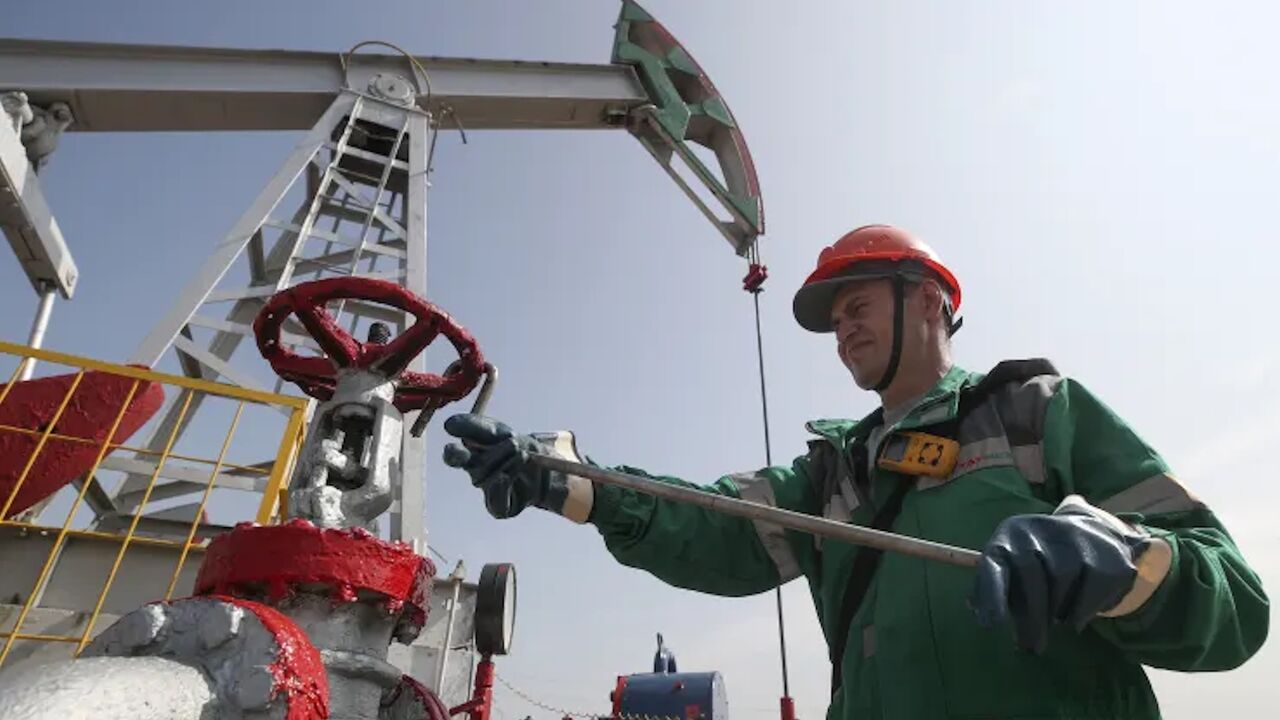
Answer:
(844, 327)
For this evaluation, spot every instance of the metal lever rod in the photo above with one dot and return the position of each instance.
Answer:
(482, 400)
(791, 520)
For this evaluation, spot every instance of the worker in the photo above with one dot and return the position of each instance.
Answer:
(1094, 559)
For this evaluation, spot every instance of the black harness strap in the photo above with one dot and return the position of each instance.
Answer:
(867, 560)
(895, 354)
(865, 564)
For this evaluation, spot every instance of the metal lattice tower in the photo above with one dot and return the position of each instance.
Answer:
(350, 200)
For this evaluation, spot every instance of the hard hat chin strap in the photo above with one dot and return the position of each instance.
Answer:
(899, 294)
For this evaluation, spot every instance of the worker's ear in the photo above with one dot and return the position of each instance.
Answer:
(932, 301)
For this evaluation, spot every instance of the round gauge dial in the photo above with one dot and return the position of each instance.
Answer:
(496, 609)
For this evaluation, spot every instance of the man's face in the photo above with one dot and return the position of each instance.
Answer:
(862, 317)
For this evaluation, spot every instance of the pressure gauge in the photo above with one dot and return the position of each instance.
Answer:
(495, 608)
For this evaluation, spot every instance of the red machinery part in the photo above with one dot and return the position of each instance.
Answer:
(89, 414)
(755, 277)
(411, 700)
(616, 695)
(280, 557)
(480, 705)
(317, 376)
(299, 671)
(788, 708)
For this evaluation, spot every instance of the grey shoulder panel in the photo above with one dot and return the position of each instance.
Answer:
(1022, 407)
(831, 483)
(1009, 425)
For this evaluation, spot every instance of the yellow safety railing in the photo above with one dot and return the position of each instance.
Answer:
(270, 507)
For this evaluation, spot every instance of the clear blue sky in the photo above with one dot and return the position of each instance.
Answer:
(1101, 176)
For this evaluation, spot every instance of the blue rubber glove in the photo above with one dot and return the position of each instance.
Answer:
(496, 458)
(1065, 568)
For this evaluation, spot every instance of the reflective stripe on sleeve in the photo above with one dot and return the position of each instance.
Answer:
(1157, 494)
(755, 487)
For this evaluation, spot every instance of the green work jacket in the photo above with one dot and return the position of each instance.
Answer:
(914, 650)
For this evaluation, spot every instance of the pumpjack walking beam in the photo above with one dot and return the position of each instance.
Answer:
(138, 88)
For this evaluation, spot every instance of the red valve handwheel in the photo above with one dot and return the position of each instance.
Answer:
(318, 376)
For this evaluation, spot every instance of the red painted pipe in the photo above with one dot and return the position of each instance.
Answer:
(484, 690)
(480, 706)
(788, 708)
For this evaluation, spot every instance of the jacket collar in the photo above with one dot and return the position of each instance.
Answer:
(941, 403)
(938, 405)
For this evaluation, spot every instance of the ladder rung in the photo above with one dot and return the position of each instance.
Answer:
(333, 201)
(353, 211)
(348, 202)
(373, 180)
(395, 274)
(334, 210)
(247, 330)
(378, 248)
(366, 155)
(382, 216)
(312, 265)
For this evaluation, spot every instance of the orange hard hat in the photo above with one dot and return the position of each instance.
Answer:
(867, 252)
